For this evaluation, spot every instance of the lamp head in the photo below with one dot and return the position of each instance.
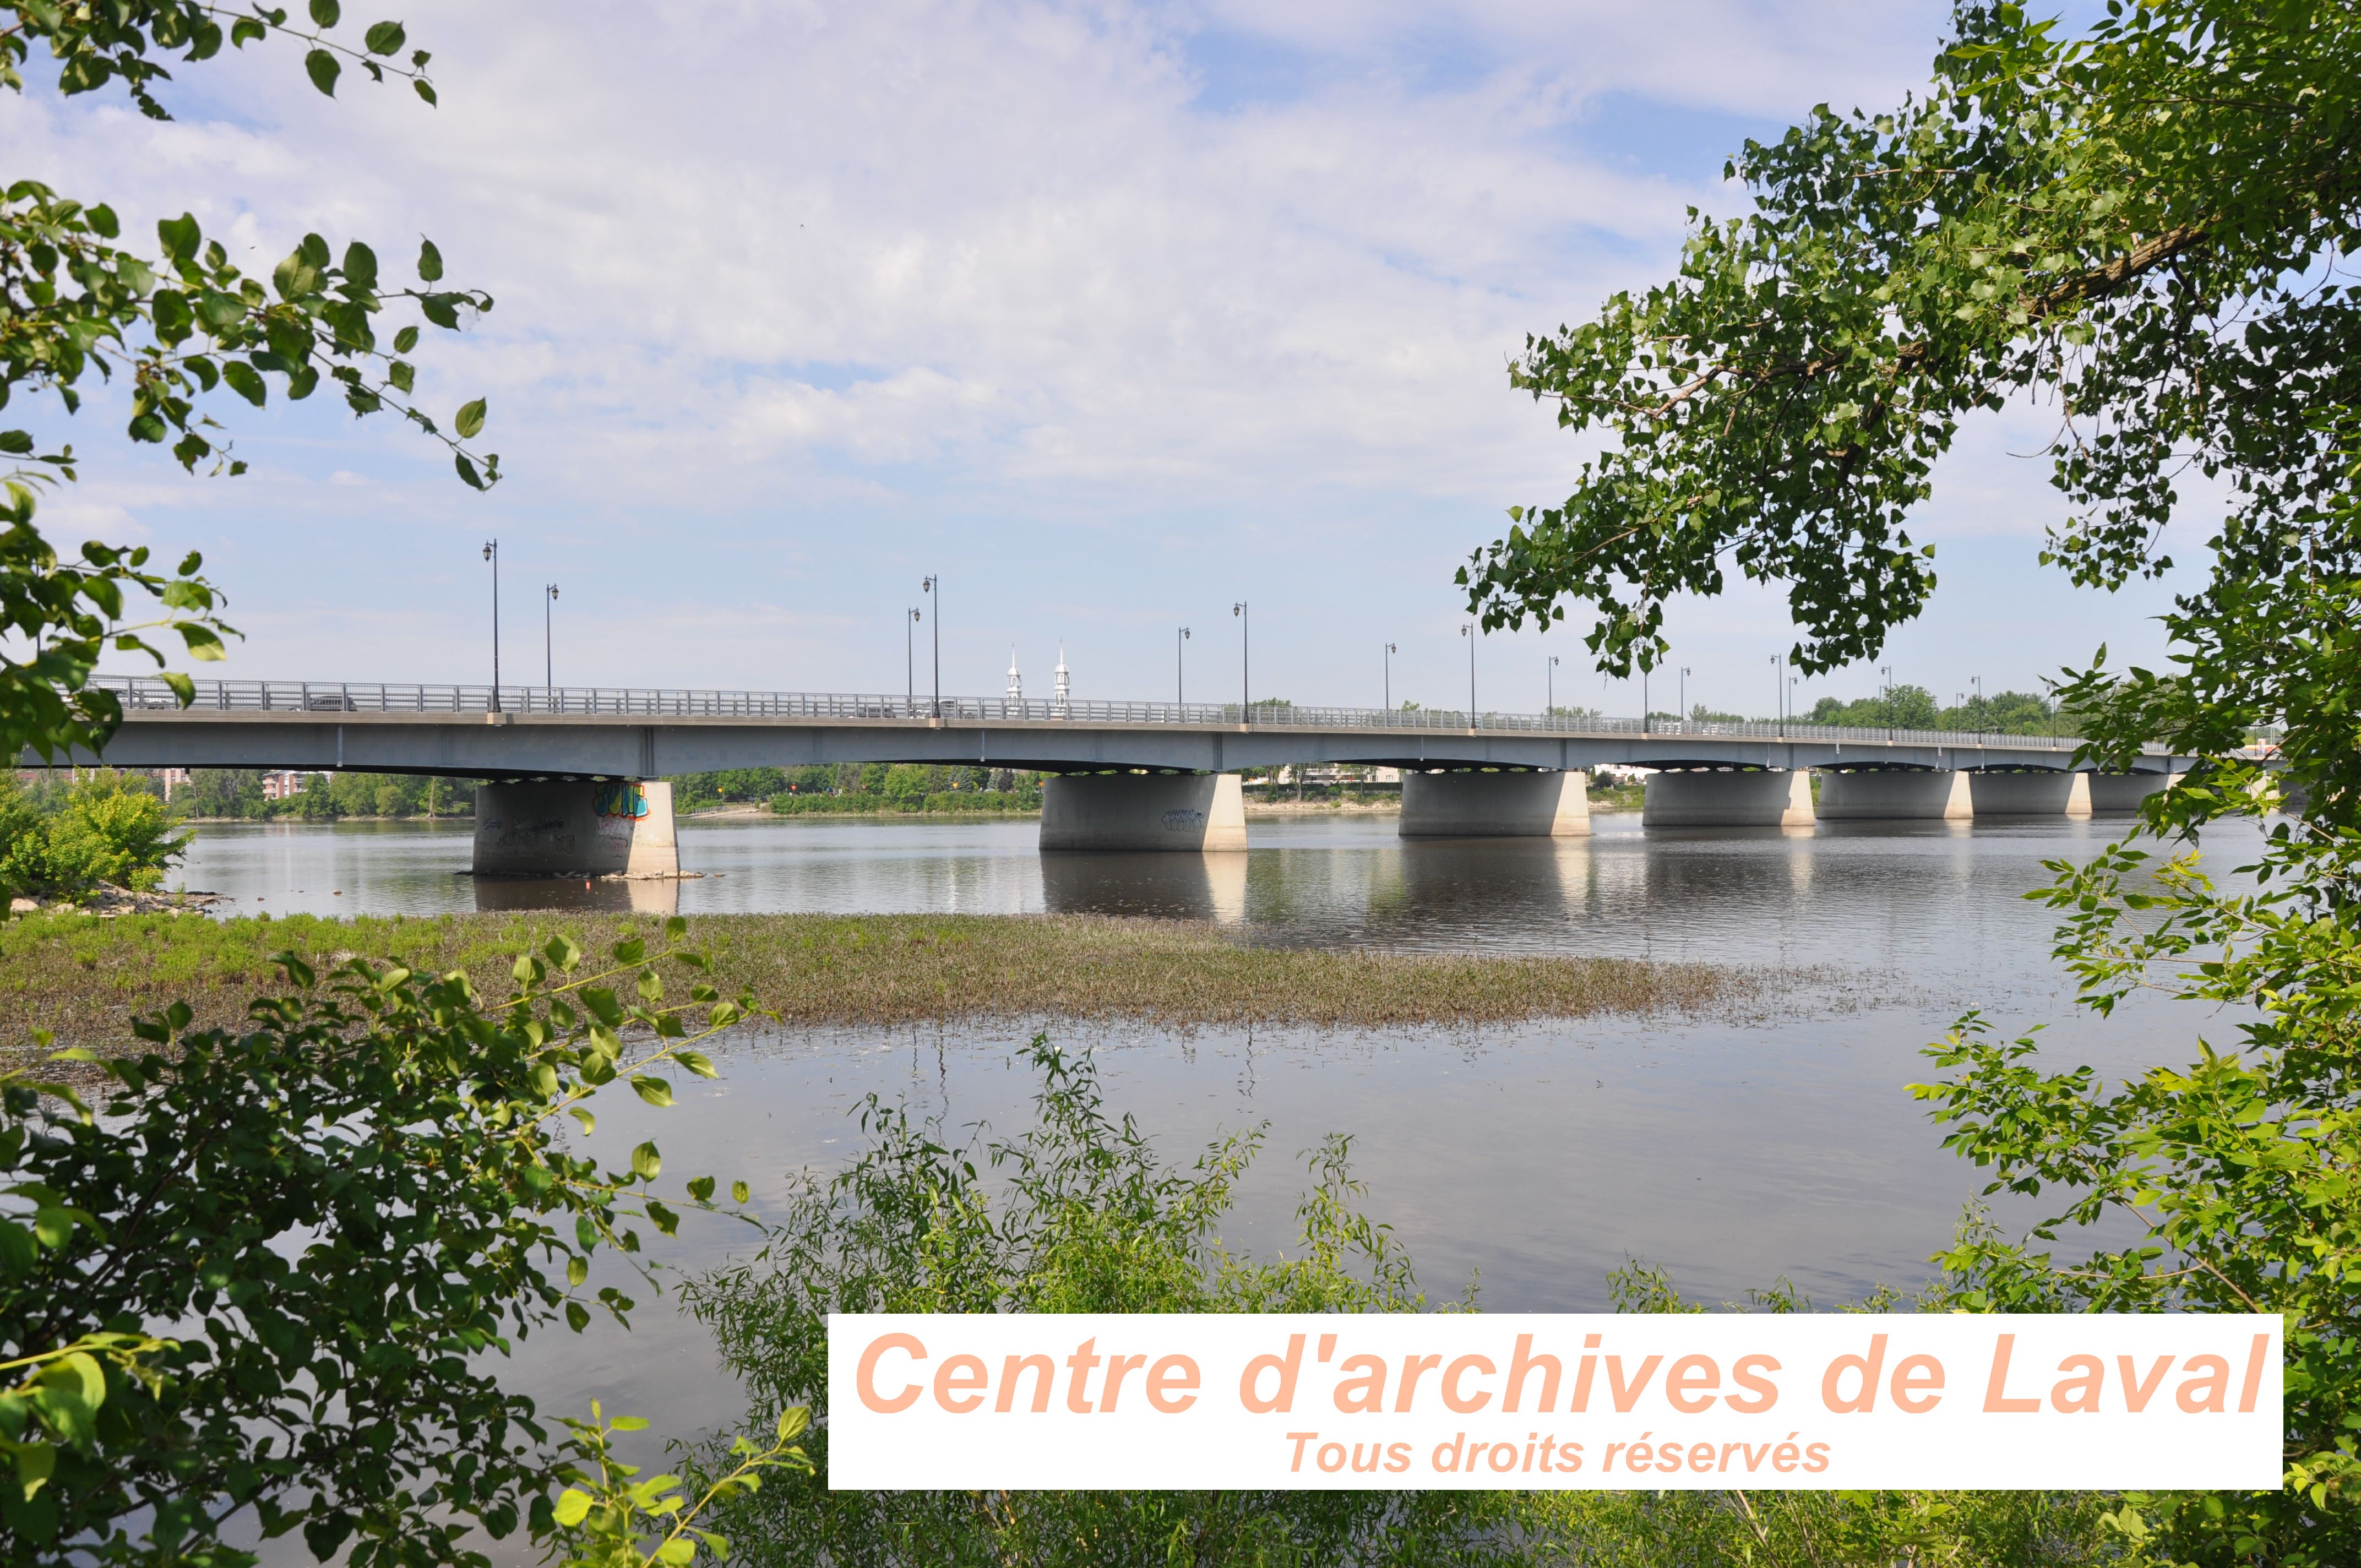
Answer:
(1238, 608)
(491, 545)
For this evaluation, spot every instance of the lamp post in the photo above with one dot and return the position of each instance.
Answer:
(1779, 694)
(1549, 686)
(933, 584)
(1978, 681)
(492, 553)
(1180, 669)
(548, 646)
(1390, 651)
(1469, 634)
(910, 660)
(1246, 661)
(1647, 720)
(1685, 699)
(1887, 671)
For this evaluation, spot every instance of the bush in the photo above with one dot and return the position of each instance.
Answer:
(329, 1211)
(106, 833)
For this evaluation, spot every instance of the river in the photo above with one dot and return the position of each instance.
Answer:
(1776, 1138)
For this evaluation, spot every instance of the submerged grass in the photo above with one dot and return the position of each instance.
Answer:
(83, 977)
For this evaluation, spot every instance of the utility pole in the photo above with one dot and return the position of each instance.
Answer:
(1390, 651)
(1180, 669)
(492, 553)
(933, 584)
(548, 656)
(1245, 666)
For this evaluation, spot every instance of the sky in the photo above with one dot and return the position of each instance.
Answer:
(1109, 315)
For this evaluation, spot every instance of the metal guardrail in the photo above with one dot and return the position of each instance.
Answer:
(146, 693)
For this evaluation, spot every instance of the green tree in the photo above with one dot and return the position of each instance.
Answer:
(2147, 225)
(365, 1187)
(184, 328)
(106, 832)
(2139, 221)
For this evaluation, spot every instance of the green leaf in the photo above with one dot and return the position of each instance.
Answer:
(470, 421)
(321, 68)
(405, 340)
(572, 1509)
(792, 1422)
(429, 264)
(102, 221)
(423, 89)
(360, 266)
(202, 642)
(245, 381)
(327, 12)
(739, 1191)
(654, 1090)
(646, 1162)
(179, 236)
(385, 38)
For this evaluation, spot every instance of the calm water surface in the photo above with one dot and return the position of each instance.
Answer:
(1776, 1138)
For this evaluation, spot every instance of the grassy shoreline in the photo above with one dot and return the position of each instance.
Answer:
(84, 978)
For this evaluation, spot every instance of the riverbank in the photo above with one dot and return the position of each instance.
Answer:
(84, 978)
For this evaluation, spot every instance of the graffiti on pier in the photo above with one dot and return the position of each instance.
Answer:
(624, 800)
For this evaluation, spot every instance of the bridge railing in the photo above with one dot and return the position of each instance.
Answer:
(146, 693)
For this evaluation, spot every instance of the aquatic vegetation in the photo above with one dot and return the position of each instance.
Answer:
(83, 977)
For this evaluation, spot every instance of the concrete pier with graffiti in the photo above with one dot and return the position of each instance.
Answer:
(576, 828)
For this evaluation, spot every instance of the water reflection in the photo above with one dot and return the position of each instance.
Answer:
(658, 897)
(1171, 886)
(1941, 903)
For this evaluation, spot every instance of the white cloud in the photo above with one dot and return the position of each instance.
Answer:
(826, 290)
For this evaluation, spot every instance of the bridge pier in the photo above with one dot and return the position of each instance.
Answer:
(2116, 795)
(2029, 794)
(1190, 813)
(1894, 794)
(1477, 805)
(1718, 797)
(576, 828)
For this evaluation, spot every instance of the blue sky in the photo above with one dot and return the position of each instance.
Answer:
(1111, 314)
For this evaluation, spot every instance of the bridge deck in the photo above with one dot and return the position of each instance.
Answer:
(610, 732)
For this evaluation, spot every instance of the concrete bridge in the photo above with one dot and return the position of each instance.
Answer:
(577, 768)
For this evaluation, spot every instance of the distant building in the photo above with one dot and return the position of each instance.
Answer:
(285, 785)
(171, 779)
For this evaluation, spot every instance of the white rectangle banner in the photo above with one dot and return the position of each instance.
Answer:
(1716, 1401)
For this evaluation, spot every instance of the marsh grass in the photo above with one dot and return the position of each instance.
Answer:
(83, 977)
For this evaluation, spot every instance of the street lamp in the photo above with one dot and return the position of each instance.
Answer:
(1180, 670)
(1887, 671)
(1779, 694)
(1469, 634)
(910, 660)
(1685, 699)
(1549, 686)
(1246, 662)
(1978, 681)
(933, 584)
(492, 553)
(1390, 651)
(548, 656)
